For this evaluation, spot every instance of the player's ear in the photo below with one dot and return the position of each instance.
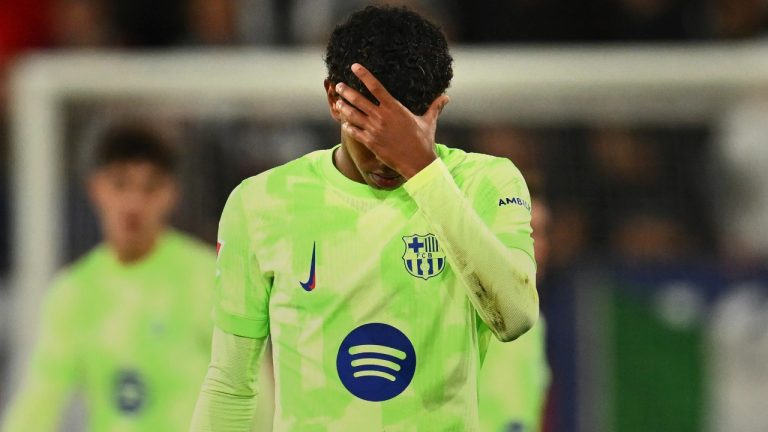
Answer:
(170, 197)
(95, 188)
(330, 91)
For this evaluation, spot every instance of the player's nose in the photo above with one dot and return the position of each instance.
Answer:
(134, 200)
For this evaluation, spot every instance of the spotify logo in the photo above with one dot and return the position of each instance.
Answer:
(130, 391)
(376, 362)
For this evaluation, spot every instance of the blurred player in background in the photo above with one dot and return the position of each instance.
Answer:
(127, 325)
(515, 377)
(379, 267)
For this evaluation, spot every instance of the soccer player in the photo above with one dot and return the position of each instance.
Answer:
(128, 325)
(379, 267)
(515, 377)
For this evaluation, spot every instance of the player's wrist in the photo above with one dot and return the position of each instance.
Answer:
(434, 172)
(417, 165)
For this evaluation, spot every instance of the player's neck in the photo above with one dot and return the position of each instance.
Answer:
(134, 252)
(346, 166)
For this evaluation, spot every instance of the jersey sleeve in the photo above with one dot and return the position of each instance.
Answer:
(489, 251)
(53, 371)
(501, 199)
(227, 400)
(242, 291)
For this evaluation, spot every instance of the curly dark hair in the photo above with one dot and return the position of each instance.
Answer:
(405, 52)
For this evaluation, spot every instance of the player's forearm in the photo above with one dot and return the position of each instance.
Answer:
(219, 410)
(52, 374)
(500, 281)
(227, 401)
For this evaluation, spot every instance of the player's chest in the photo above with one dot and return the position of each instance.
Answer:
(132, 313)
(343, 253)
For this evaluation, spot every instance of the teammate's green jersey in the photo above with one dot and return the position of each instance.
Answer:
(134, 339)
(371, 327)
(513, 383)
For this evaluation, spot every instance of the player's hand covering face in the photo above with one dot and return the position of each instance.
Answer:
(399, 139)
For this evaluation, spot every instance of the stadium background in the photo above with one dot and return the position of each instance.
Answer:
(642, 123)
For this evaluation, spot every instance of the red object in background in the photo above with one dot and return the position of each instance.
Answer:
(23, 25)
(549, 421)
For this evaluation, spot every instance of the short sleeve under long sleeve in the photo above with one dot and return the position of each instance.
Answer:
(242, 291)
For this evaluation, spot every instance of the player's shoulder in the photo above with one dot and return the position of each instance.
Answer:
(466, 166)
(73, 277)
(92, 261)
(190, 262)
(304, 167)
(190, 247)
(277, 183)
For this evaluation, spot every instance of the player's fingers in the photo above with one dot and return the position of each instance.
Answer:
(350, 114)
(437, 107)
(356, 99)
(356, 133)
(372, 84)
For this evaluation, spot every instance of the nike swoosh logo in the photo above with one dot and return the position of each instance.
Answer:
(309, 285)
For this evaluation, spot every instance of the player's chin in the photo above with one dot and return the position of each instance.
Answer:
(385, 182)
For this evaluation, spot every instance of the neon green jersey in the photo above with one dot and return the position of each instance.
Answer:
(513, 383)
(372, 328)
(134, 339)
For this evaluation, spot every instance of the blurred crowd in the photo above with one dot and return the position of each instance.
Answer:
(640, 194)
(616, 192)
(171, 23)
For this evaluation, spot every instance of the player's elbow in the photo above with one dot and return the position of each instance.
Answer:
(521, 315)
(523, 322)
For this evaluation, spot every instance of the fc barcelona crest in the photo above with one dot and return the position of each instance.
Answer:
(423, 256)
